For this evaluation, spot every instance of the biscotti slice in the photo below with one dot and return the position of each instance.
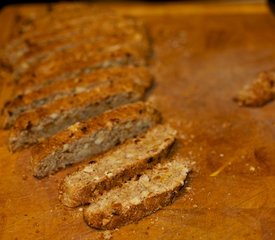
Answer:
(259, 92)
(156, 188)
(56, 116)
(117, 166)
(73, 67)
(57, 90)
(92, 136)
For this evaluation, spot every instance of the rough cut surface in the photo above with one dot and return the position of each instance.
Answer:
(259, 92)
(56, 116)
(57, 90)
(117, 166)
(136, 199)
(92, 136)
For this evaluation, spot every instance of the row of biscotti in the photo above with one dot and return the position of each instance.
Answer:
(49, 80)
(44, 112)
(126, 183)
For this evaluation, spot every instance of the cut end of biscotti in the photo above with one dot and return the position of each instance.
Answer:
(136, 199)
(127, 160)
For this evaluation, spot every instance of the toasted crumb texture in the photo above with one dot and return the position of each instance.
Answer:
(156, 188)
(84, 83)
(117, 166)
(259, 92)
(56, 116)
(92, 136)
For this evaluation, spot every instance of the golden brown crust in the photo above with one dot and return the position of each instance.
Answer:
(139, 111)
(259, 92)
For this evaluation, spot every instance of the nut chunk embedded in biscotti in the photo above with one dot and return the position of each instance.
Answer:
(126, 161)
(156, 188)
(51, 118)
(259, 92)
(92, 136)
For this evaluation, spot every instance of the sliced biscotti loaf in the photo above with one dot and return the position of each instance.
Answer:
(57, 115)
(84, 83)
(92, 136)
(156, 188)
(73, 66)
(116, 166)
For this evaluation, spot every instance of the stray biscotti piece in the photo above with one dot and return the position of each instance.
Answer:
(26, 102)
(116, 166)
(136, 199)
(92, 136)
(56, 116)
(259, 92)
